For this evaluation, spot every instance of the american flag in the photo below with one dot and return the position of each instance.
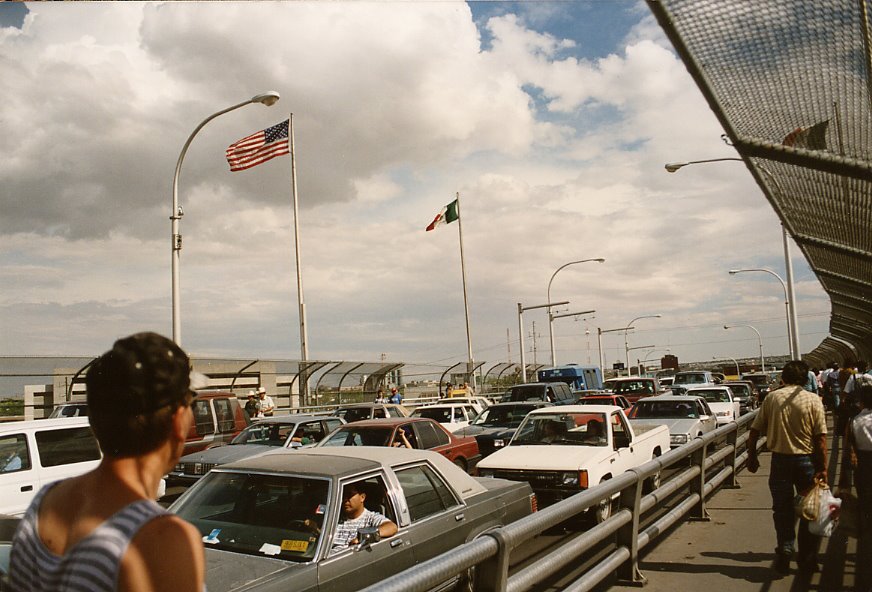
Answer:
(259, 147)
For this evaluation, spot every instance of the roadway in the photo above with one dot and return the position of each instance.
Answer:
(734, 549)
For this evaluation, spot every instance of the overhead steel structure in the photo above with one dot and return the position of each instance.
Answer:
(790, 83)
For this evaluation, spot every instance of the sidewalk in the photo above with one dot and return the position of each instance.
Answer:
(735, 549)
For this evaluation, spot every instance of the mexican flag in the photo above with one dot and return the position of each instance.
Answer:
(446, 216)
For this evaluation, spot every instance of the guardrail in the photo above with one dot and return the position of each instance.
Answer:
(487, 558)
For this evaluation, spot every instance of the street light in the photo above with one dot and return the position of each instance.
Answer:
(735, 361)
(793, 353)
(627, 345)
(599, 339)
(268, 99)
(792, 318)
(550, 318)
(521, 309)
(760, 339)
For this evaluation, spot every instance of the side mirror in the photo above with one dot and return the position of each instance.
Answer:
(367, 536)
(705, 417)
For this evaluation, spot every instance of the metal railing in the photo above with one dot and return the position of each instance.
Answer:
(488, 556)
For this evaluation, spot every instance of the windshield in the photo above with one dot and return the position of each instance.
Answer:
(664, 410)
(439, 414)
(578, 429)
(352, 436)
(350, 414)
(267, 434)
(693, 378)
(713, 396)
(740, 390)
(502, 417)
(267, 515)
(634, 386)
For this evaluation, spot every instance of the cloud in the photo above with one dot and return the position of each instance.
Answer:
(557, 156)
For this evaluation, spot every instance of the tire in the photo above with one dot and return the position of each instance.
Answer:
(652, 482)
(459, 462)
(602, 511)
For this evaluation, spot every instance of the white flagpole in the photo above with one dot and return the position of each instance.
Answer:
(304, 341)
(470, 364)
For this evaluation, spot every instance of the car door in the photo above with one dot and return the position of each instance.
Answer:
(19, 480)
(437, 514)
(352, 568)
(707, 417)
(624, 449)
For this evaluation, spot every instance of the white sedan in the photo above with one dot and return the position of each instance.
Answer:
(720, 400)
(452, 416)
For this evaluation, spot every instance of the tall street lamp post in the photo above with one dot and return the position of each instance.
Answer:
(521, 309)
(626, 343)
(792, 317)
(268, 98)
(599, 340)
(550, 316)
(794, 355)
(759, 339)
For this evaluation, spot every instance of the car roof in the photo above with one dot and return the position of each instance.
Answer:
(213, 394)
(30, 424)
(389, 422)
(576, 409)
(714, 387)
(443, 405)
(349, 461)
(670, 398)
(531, 403)
(291, 418)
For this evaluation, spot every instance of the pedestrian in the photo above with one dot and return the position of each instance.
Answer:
(449, 390)
(858, 459)
(396, 397)
(252, 406)
(266, 403)
(845, 409)
(830, 379)
(380, 396)
(793, 421)
(103, 531)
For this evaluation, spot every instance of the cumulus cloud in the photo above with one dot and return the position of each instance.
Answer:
(557, 156)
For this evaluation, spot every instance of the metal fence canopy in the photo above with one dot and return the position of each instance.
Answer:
(790, 83)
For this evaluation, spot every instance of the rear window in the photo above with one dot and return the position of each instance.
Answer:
(527, 393)
(67, 446)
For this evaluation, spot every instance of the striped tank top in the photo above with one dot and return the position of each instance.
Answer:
(91, 565)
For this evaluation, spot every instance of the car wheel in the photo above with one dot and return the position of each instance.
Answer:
(602, 511)
(460, 463)
(652, 482)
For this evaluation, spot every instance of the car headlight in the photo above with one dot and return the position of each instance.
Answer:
(723, 414)
(179, 468)
(570, 479)
(485, 473)
(678, 439)
(499, 443)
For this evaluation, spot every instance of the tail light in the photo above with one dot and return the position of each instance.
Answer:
(534, 503)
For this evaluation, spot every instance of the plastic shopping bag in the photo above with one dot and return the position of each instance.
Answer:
(828, 513)
(808, 505)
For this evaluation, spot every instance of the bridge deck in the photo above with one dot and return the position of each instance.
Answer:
(735, 549)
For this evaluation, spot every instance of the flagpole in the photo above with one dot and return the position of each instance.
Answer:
(304, 342)
(469, 360)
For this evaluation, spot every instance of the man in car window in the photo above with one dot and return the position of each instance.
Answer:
(357, 516)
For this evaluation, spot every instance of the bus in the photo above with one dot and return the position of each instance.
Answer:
(578, 377)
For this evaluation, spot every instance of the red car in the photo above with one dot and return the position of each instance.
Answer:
(617, 400)
(218, 418)
(420, 433)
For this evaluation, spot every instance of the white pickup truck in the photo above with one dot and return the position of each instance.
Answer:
(596, 443)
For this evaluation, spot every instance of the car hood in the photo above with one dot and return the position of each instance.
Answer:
(225, 454)
(676, 426)
(227, 571)
(545, 458)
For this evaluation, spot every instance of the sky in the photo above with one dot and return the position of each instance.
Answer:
(552, 120)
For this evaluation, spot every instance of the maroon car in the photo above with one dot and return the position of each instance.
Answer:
(617, 400)
(419, 432)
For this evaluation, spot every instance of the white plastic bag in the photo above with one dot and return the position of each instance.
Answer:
(828, 513)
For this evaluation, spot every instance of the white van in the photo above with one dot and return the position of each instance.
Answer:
(42, 451)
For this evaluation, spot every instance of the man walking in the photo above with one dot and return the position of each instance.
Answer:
(793, 421)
